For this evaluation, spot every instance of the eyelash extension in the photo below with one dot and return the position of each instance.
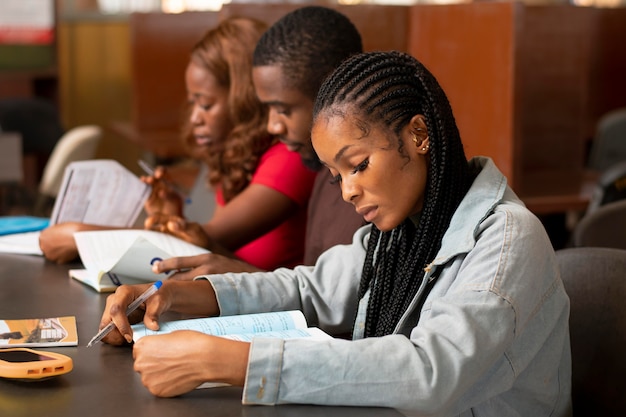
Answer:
(337, 179)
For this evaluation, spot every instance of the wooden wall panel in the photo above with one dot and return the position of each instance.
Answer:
(470, 48)
(527, 83)
(160, 45)
(94, 80)
(552, 71)
(381, 27)
(607, 78)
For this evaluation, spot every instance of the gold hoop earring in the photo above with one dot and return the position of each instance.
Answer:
(415, 138)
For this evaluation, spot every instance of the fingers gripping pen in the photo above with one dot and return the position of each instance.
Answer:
(132, 307)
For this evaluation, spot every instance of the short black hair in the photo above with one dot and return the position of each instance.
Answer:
(308, 43)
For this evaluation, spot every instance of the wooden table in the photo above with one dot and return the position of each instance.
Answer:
(103, 383)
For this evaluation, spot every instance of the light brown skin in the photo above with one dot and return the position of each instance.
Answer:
(290, 111)
(176, 363)
(169, 368)
(252, 213)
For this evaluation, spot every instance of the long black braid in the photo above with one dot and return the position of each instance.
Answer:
(308, 43)
(388, 89)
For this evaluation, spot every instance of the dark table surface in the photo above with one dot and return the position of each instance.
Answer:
(103, 382)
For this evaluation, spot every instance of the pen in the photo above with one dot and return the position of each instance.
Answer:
(132, 307)
(146, 168)
(150, 171)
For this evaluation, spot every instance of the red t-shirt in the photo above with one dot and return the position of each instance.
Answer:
(283, 171)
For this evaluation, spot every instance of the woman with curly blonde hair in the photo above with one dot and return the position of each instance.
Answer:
(261, 188)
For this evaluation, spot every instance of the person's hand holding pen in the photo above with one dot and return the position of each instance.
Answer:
(184, 297)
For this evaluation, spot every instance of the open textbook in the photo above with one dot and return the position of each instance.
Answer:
(26, 243)
(99, 191)
(20, 234)
(279, 324)
(95, 191)
(39, 332)
(125, 256)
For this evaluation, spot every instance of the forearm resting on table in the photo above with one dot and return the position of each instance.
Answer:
(57, 242)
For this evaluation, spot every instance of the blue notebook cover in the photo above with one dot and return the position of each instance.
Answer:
(22, 224)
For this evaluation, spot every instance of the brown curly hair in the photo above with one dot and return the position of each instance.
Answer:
(226, 52)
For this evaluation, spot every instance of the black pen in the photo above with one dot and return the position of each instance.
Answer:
(150, 171)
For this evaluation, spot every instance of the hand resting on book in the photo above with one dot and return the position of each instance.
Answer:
(169, 368)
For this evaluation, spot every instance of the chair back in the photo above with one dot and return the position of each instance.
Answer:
(610, 187)
(595, 280)
(603, 227)
(78, 144)
(609, 143)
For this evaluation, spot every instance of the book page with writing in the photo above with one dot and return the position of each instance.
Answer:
(101, 192)
(128, 253)
(245, 327)
(230, 325)
(310, 332)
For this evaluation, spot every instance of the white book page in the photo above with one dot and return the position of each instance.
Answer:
(92, 279)
(21, 243)
(229, 325)
(99, 191)
(310, 332)
(99, 282)
(129, 252)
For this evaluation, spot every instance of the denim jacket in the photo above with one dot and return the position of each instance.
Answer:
(492, 337)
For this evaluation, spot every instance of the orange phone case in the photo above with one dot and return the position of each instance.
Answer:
(44, 365)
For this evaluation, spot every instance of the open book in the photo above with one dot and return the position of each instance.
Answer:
(244, 327)
(26, 243)
(20, 234)
(280, 324)
(95, 191)
(125, 256)
(40, 332)
(99, 191)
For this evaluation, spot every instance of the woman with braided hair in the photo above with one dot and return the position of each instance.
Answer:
(452, 292)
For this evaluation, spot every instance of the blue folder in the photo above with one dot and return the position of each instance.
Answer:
(22, 224)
